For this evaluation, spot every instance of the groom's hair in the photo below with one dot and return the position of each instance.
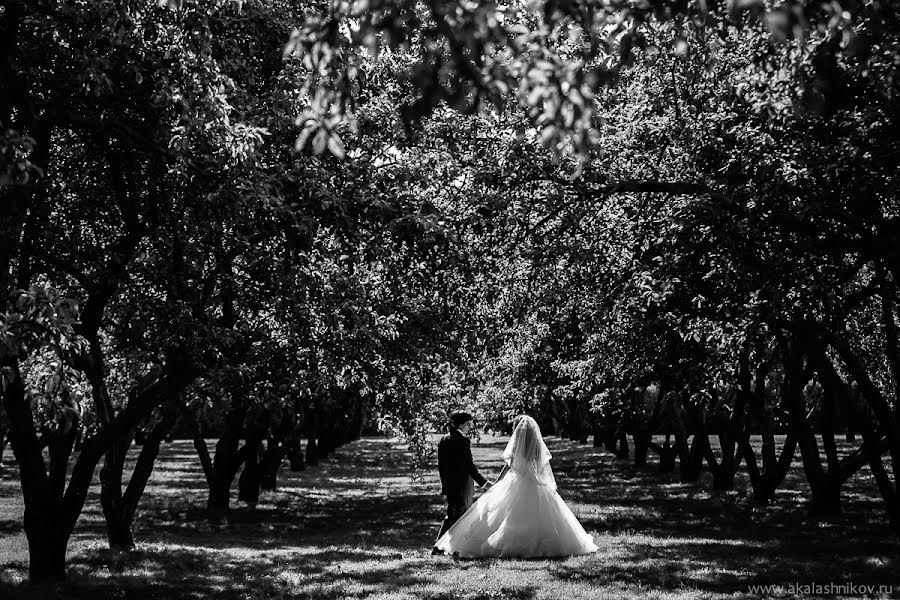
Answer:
(458, 417)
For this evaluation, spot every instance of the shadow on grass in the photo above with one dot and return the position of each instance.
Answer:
(359, 526)
(673, 535)
(168, 571)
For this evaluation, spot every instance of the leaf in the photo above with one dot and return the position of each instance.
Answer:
(548, 135)
(320, 141)
(336, 146)
(308, 129)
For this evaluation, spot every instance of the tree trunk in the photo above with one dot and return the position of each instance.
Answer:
(312, 452)
(642, 441)
(825, 488)
(44, 518)
(270, 463)
(576, 422)
(872, 448)
(610, 430)
(295, 448)
(597, 439)
(888, 492)
(119, 533)
(610, 442)
(875, 400)
(118, 527)
(724, 473)
(692, 466)
(622, 443)
(249, 481)
(47, 543)
(723, 480)
(667, 455)
(357, 423)
(227, 459)
(767, 473)
(119, 508)
(219, 500)
(312, 447)
(323, 447)
(765, 481)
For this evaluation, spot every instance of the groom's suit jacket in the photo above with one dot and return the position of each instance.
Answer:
(455, 464)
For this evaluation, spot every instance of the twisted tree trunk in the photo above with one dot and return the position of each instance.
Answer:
(765, 480)
(227, 458)
(825, 490)
(270, 464)
(725, 469)
(668, 452)
(276, 450)
(119, 508)
(50, 512)
(51, 507)
(249, 481)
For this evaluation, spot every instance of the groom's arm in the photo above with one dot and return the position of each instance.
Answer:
(473, 470)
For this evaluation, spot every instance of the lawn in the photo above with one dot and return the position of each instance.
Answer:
(361, 526)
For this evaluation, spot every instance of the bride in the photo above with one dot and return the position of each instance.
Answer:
(522, 515)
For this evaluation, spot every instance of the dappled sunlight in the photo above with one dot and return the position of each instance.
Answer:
(361, 526)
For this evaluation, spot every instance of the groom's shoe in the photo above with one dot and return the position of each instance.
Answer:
(435, 551)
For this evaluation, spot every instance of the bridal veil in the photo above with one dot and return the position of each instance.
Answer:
(527, 453)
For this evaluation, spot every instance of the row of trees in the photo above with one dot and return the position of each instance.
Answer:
(170, 258)
(732, 245)
(275, 222)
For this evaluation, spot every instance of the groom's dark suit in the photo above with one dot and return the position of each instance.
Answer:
(457, 472)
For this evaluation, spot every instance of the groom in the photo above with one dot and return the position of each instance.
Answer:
(457, 470)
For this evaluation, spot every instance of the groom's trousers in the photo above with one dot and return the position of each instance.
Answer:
(456, 506)
(455, 509)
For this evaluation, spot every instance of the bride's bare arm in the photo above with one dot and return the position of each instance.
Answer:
(502, 473)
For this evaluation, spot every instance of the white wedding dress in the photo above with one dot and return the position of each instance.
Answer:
(522, 515)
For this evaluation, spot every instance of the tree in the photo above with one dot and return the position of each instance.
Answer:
(108, 104)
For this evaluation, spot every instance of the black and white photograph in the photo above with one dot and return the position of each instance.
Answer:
(449, 299)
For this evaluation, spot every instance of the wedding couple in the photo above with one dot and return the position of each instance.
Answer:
(520, 515)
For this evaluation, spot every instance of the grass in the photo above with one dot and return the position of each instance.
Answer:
(360, 526)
